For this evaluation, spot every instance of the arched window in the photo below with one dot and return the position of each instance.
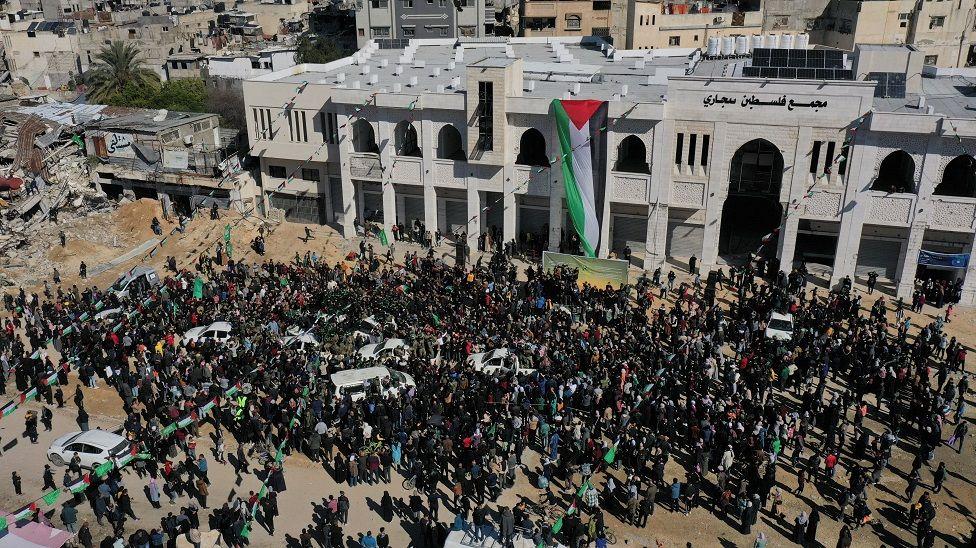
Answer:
(573, 22)
(449, 143)
(363, 138)
(632, 155)
(897, 173)
(959, 178)
(757, 167)
(532, 149)
(405, 139)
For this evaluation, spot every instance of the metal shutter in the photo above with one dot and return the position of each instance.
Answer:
(373, 205)
(456, 215)
(335, 194)
(684, 240)
(881, 256)
(413, 209)
(299, 209)
(630, 231)
(533, 220)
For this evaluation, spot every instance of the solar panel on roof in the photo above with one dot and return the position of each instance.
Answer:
(833, 59)
(769, 72)
(750, 72)
(890, 84)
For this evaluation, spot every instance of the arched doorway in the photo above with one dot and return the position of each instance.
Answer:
(405, 139)
(752, 209)
(363, 138)
(959, 178)
(896, 174)
(449, 143)
(632, 155)
(532, 149)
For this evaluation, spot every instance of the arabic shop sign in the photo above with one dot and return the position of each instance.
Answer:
(119, 144)
(751, 101)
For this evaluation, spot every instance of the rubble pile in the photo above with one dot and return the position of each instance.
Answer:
(45, 188)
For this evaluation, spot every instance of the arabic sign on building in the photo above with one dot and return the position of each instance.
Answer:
(751, 101)
(119, 144)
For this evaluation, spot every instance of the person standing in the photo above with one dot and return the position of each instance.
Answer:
(675, 495)
(939, 477)
(386, 507)
(48, 477)
(69, 516)
(343, 507)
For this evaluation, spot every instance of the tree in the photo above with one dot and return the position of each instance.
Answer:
(314, 49)
(184, 95)
(119, 65)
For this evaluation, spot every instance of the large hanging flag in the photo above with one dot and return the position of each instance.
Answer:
(578, 124)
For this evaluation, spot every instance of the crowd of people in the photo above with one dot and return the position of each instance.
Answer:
(623, 390)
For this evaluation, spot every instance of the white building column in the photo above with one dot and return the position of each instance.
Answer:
(385, 137)
(474, 217)
(854, 207)
(658, 197)
(555, 207)
(792, 196)
(510, 213)
(428, 143)
(346, 216)
(969, 281)
(908, 261)
(715, 193)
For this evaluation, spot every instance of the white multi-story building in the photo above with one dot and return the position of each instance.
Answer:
(696, 160)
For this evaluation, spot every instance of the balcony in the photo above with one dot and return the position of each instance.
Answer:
(365, 166)
(407, 170)
(956, 214)
(891, 209)
(630, 188)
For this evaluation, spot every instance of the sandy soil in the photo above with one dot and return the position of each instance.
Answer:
(309, 484)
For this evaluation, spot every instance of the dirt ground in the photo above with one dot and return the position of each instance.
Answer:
(309, 483)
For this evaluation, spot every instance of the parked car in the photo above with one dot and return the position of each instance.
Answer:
(371, 329)
(780, 327)
(305, 342)
(355, 382)
(502, 360)
(385, 350)
(93, 447)
(218, 332)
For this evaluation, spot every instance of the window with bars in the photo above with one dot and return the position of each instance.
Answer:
(329, 125)
(486, 96)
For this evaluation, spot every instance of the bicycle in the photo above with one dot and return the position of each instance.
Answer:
(410, 483)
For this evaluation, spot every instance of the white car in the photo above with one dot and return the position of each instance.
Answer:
(371, 329)
(385, 350)
(93, 447)
(354, 382)
(108, 313)
(502, 360)
(218, 332)
(305, 342)
(780, 327)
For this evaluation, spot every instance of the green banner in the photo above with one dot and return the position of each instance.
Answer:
(198, 288)
(597, 272)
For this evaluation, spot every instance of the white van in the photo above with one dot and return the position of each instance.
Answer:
(354, 381)
(219, 332)
(502, 360)
(135, 281)
(780, 327)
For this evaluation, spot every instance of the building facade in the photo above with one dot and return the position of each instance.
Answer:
(460, 137)
(419, 19)
(653, 24)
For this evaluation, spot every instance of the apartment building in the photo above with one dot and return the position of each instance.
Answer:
(942, 30)
(547, 18)
(410, 19)
(653, 24)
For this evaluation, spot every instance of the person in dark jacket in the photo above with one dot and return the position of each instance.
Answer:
(386, 507)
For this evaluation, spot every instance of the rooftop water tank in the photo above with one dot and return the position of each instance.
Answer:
(758, 41)
(772, 41)
(712, 49)
(741, 45)
(786, 42)
(803, 41)
(728, 46)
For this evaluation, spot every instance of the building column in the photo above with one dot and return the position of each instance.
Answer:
(715, 193)
(969, 280)
(908, 261)
(387, 158)
(793, 196)
(474, 218)
(603, 169)
(658, 197)
(347, 215)
(510, 213)
(555, 210)
(855, 205)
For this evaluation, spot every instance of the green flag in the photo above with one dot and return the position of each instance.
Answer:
(103, 469)
(437, 319)
(226, 233)
(279, 456)
(246, 530)
(52, 497)
(168, 430)
(3, 524)
(558, 526)
(611, 454)
(383, 239)
(198, 288)
(263, 492)
(583, 488)
(229, 250)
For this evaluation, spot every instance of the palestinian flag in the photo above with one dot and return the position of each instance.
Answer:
(579, 125)
(25, 512)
